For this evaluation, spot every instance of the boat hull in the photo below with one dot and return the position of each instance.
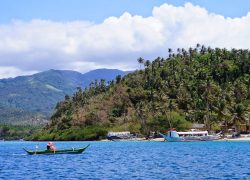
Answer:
(63, 151)
(171, 139)
(177, 138)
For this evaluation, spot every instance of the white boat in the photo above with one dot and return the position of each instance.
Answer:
(192, 135)
(121, 136)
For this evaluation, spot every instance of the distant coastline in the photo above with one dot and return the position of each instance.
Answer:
(243, 138)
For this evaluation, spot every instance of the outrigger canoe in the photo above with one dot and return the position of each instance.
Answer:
(63, 151)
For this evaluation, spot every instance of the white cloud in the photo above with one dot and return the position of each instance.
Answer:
(117, 42)
(10, 72)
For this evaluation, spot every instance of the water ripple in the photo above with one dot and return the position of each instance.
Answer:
(128, 160)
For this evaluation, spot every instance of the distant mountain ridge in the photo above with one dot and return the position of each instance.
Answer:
(36, 95)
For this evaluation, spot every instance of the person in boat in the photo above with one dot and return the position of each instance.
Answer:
(51, 146)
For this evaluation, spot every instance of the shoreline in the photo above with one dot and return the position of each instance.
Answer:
(243, 138)
(246, 139)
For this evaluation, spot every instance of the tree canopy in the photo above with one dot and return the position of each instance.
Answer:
(198, 85)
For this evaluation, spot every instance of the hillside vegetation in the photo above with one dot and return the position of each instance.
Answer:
(31, 99)
(198, 85)
(16, 132)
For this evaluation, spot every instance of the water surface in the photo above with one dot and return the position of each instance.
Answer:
(128, 160)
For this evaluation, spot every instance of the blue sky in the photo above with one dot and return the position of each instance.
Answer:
(98, 10)
(83, 35)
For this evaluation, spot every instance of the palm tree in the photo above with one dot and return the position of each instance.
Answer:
(203, 49)
(147, 63)
(141, 113)
(158, 62)
(240, 115)
(223, 114)
(118, 79)
(102, 85)
(206, 97)
(190, 50)
(140, 61)
(170, 52)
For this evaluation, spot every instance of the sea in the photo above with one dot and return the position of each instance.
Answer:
(127, 160)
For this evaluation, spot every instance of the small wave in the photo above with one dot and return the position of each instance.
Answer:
(23, 154)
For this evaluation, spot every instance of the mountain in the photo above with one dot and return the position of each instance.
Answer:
(201, 85)
(35, 96)
(107, 74)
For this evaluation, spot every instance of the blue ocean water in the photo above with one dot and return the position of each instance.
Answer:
(128, 160)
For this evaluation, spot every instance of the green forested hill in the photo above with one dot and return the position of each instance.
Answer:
(31, 99)
(18, 116)
(201, 85)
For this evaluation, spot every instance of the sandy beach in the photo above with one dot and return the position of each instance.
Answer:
(242, 138)
(228, 138)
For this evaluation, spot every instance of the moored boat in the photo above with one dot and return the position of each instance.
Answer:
(121, 136)
(62, 151)
(193, 135)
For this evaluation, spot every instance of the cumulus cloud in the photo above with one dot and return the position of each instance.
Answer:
(117, 42)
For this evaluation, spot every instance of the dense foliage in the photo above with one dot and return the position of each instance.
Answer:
(198, 85)
(15, 132)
